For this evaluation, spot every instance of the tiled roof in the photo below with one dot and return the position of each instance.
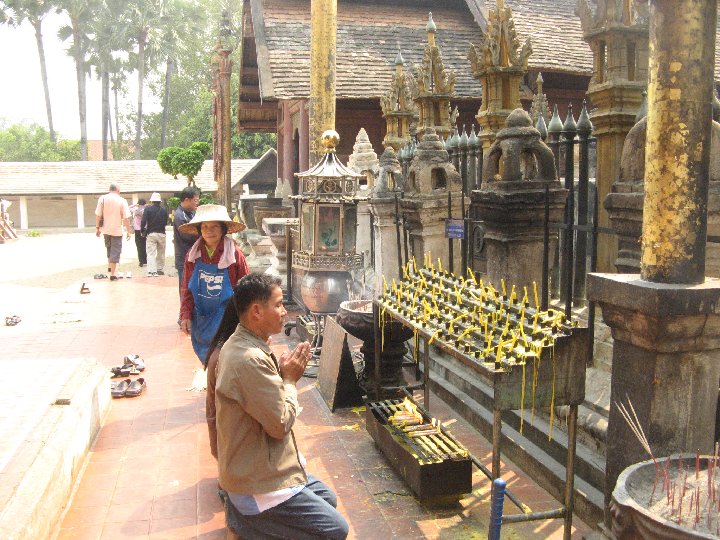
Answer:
(94, 177)
(368, 34)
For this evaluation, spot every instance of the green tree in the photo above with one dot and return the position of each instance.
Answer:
(165, 160)
(31, 142)
(109, 30)
(14, 12)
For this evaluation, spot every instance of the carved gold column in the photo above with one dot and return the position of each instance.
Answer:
(323, 37)
(617, 33)
(499, 63)
(680, 92)
(665, 322)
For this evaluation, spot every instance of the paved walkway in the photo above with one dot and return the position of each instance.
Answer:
(150, 473)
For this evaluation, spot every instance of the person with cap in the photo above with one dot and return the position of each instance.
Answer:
(213, 266)
(152, 226)
(111, 213)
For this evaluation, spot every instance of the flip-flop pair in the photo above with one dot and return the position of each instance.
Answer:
(100, 276)
(128, 388)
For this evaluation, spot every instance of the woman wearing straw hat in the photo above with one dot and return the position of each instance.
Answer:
(213, 266)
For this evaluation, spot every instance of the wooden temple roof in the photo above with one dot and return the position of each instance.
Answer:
(368, 35)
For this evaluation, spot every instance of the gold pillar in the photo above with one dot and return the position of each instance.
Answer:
(323, 37)
(677, 151)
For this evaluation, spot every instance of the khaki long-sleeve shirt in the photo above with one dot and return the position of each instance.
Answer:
(255, 414)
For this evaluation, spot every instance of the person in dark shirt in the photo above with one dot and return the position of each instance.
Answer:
(153, 224)
(189, 199)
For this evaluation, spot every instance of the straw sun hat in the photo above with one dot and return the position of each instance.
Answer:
(210, 212)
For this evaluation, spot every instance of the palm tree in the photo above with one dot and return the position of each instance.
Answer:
(146, 21)
(183, 21)
(80, 14)
(109, 32)
(14, 13)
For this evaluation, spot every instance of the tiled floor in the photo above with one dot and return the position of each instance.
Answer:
(150, 473)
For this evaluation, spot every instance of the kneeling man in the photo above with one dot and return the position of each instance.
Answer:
(260, 465)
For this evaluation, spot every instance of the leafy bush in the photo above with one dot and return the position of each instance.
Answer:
(165, 159)
(202, 147)
(173, 203)
(188, 163)
(206, 198)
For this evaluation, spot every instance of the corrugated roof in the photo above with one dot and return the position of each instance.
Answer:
(368, 35)
(94, 177)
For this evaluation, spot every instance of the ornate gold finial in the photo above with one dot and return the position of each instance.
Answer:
(329, 139)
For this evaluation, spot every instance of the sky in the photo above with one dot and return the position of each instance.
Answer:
(21, 92)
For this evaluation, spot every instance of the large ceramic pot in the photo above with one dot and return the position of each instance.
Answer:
(247, 205)
(636, 517)
(269, 209)
(356, 317)
(323, 292)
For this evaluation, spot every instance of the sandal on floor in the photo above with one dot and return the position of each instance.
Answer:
(84, 289)
(100, 276)
(12, 320)
(119, 372)
(134, 360)
(120, 389)
(136, 387)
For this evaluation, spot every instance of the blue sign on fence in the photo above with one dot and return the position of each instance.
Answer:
(454, 228)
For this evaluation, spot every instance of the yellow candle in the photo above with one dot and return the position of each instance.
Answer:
(525, 296)
(537, 302)
(439, 265)
(414, 264)
(502, 284)
(471, 274)
(385, 285)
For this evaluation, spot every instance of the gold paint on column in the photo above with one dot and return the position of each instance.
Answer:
(680, 92)
(323, 38)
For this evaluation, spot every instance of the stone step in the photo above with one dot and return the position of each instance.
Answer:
(543, 459)
(38, 478)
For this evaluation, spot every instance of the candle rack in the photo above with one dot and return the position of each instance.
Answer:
(529, 357)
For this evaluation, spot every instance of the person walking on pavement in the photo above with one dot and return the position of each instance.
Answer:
(189, 199)
(153, 225)
(111, 213)
(265, 487)
(136, 210)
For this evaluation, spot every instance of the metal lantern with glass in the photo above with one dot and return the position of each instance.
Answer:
(328, 196)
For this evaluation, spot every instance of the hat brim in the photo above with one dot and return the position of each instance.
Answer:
(194, 228)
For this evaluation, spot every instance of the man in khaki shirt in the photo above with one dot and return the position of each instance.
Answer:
(111, 214)
(270, 493)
